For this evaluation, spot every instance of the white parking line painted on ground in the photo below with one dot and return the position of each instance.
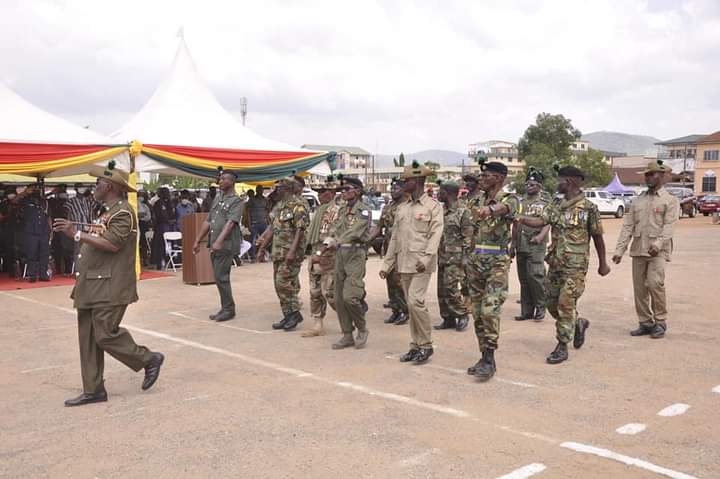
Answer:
(196, 398)
(45, 368)
(631, 429)
(525, 471)
(716, 389)
(229, 326)
(421, 459)
(630, 461)
(674, 410)
(25, 331)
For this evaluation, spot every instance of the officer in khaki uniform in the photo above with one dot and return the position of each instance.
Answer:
(351, 234)
(222, 228)
(650, 223)
(413, 250)
(105, 285)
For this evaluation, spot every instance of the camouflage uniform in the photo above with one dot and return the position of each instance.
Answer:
(487, 270)
(287, 217)
(322, 273)
(456, 244)
(396, 296)
(573, 222)
(471, 203)
(531, 257)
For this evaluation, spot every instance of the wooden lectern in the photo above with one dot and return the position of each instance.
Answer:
(196, 268)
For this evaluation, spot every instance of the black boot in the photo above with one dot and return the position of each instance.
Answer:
(447, 323)
(213, 316)
(580, 328)
(294, 319)
(658, 331)
(281, 324)
(523, 317)
(559, 355)
(393, 317)
(539, 314)
(224, 316)
(402, 319)
(409, 356)
(642, 330)
(462, 323)
(423, 355)
(486, 368)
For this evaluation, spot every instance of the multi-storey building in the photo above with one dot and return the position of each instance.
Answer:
(348, 157)
(707, 164)
(497, 150)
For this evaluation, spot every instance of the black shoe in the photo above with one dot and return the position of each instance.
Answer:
(224, 316)
(393, 317)
(447, 323)
(471, 370)
(365, 307)
(658, 331)
(409, 356)
(642, 330)
(152, 370)
(213, 316)
(422, 355)
(580, 328)
(486, 369)
(462, 323)
(280, 324)
(387, 306)
(294, 319)
(402, 319)
(539, 314)
(558, 355)
(523, 317)
(87, 398)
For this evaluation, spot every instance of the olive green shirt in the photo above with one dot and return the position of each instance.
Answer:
(104, 278)
(226, 207)
(353, 224)
(532, 206)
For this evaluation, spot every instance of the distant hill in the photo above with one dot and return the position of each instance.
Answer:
(444, 157)
(622, 142)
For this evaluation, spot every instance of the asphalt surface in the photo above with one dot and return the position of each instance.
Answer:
(239, 400)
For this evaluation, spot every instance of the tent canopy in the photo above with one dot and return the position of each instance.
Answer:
(616, 186)
(185, 130)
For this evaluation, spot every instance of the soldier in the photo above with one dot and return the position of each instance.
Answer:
(36, 226)
(351, 234)
(396, 297)
(105, 284)
(413, 252)
(222, 228)
(321, 266)
(473, 199)
(650, 223)
(289, 218)
(529, 244)
(455, 245)
(574, 220)
(488, 266)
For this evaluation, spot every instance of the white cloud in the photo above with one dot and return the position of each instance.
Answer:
(400, 75)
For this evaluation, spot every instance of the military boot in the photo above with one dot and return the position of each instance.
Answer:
(361, 339)
(393, 317)
(447, 323)
(422, 355)
(294, 319)
(539, 314)
(559, 355)
(402, 319)
(658, 331)
(580, 328)
(486, 369)
(316, 330)
(462, 323)
(280, 324)
(642, 330)
(409, 356)
(346, 341)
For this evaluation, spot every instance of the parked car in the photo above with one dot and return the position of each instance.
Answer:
(709, 204)
(606, 203)
(626, 197)
(376, 205)
(688, 201)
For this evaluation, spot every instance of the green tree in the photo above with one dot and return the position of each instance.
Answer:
(592, 163)
(552, 131)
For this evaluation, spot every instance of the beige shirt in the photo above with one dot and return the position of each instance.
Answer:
(650, 221)
(416, 235)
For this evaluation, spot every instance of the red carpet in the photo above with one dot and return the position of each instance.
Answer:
(9, 284)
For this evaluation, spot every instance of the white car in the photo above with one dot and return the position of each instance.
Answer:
(606, 203)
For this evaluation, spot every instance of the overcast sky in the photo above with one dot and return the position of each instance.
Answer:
(386, 76)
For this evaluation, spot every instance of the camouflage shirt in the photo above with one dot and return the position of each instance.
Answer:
(573, 223)
(387, 219)
(531, 206)
(287, 218)
(457, 237)
(494, 233)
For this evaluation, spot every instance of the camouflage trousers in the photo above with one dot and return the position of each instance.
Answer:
(396, 295)
(322, 290)
(450, 278)
(487, 279)
(563, 288)
(286, 276)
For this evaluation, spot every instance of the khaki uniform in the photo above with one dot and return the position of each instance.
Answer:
(105, 284)
(322, 273)
(396, 296)
(573, 222)
(649, 222)
(487, 268)
(353, 226)
(531, 257)
(416, 237)
(225, 207)
(287, 218)
(456, 244)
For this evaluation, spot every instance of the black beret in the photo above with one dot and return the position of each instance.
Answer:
(352, 181)
(571, 171)
(495, 167)
(535, 175)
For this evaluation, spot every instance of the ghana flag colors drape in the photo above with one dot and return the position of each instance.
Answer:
(42, 158)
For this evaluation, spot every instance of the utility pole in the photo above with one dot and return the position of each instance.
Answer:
(243, 109)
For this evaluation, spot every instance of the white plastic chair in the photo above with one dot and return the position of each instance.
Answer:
(173, 248)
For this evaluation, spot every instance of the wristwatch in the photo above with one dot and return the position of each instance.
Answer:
(77, 236)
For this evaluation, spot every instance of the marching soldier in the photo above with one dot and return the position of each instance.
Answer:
(650, 223)
(222, 228)
(488, 266)
(321, 266)
(396, 297)
(289, 220)
(574, 220)
(529, 246)
(473, 199)
(455, 245)
(413, 251)
(105, 285)
(351, 234)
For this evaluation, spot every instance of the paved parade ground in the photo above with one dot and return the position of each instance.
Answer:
(237, 399)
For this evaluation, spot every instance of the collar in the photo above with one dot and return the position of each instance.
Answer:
(109, 206)
(421, 199)
(567, 203)
(659, 192)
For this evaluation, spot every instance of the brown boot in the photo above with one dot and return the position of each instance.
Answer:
(316, 330)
